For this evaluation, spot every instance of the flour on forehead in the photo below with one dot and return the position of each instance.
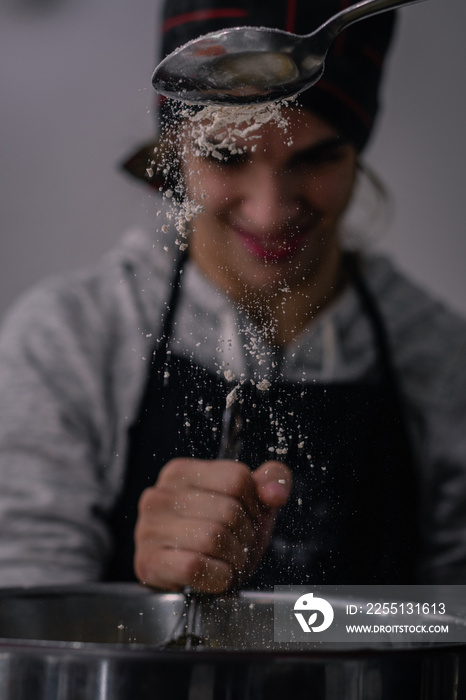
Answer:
(215, 127)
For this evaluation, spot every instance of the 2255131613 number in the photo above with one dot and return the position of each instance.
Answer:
(405, 608)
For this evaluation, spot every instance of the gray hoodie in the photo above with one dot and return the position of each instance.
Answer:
(74, 356)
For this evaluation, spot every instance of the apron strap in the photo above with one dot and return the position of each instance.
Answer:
(369, 304)
(167, 321)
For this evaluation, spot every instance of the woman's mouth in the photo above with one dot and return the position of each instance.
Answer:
(272, 247)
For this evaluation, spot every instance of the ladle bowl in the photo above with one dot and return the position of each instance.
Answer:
(247, 65)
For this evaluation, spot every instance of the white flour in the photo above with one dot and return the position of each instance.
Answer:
(215, 127)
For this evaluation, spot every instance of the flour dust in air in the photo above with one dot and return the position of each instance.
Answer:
(215, 133)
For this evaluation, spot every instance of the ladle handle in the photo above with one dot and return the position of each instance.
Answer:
(360, 10)
(230, 439)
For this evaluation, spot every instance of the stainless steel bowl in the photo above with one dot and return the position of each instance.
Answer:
(126, 642)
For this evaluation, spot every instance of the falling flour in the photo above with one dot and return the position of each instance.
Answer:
(229, 375)
(263, 385)
(232, 397)
(216, 132)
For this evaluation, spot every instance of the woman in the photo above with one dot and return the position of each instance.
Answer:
(345, 385)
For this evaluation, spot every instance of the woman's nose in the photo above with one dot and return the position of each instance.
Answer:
(268, 200)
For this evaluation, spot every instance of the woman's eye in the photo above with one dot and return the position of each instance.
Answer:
(327, 155)
(319, 159)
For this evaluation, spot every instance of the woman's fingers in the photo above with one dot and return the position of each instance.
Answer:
(174, 569)
(228, 477)
(195, 526)
(207, 536)
(206, 524)
(273, 482)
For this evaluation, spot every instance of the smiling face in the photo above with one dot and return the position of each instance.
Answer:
(271, 212)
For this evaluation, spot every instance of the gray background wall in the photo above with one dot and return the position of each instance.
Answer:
(75, 96)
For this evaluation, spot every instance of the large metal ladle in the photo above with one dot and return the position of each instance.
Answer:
(247, 65)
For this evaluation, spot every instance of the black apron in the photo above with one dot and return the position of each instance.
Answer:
(351, 516)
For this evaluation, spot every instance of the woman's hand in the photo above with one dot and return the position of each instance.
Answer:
(206, 524)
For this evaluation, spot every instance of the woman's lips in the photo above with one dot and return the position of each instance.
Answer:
(272, 248)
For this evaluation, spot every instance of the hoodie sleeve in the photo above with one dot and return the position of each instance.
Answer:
(55, 441)
(442, 447)
(429, 343)
(74, 356)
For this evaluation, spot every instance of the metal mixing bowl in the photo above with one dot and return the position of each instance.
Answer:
(126, 642)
